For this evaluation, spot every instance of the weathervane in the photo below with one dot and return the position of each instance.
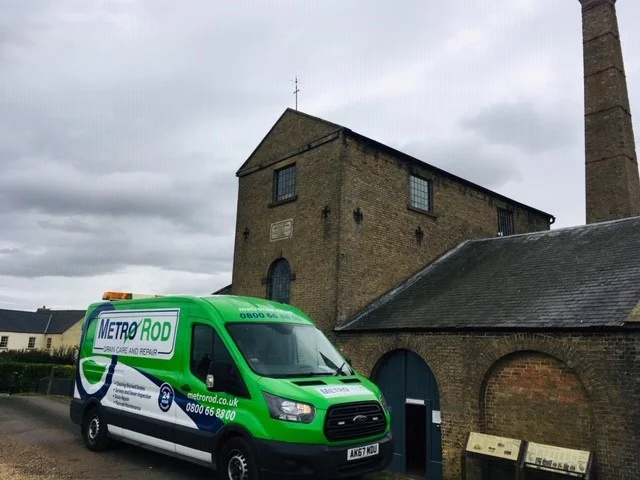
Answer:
(295, 92)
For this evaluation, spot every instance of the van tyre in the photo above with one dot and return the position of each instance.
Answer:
(94, 430)
(238, 461)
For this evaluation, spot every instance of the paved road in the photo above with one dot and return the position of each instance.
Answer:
(37, 432)
(38, 441)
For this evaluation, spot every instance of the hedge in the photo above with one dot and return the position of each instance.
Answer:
(61, 356)
(24, 377)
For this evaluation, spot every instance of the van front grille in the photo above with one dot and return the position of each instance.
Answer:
(351, 421)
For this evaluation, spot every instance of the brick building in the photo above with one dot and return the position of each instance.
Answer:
(468, 311)
(533, 336)
(328, 219)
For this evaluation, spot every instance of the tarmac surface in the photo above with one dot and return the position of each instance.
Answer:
(38, 441)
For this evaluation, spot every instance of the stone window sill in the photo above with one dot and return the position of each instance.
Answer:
(282, 202)
(423, 212)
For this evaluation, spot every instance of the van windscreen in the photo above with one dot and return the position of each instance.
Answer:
(287, 350)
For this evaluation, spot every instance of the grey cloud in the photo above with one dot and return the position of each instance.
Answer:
(521, 125)
(107, 250)
(470, 159)
(170, 100)
(67, 225)
(58, 190)
(18, 24)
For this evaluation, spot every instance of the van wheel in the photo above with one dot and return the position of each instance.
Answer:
(238, 461)
(94, 430)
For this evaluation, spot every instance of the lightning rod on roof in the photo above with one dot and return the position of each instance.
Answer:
(295, 92)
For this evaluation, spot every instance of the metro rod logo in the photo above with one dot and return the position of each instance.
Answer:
(137, 333)
(118, 330)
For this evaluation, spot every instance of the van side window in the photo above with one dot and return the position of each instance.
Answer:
(220, 351)
(206, 346)
(202, 343)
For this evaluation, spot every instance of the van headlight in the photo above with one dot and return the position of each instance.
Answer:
(383, 401)
(289, 410)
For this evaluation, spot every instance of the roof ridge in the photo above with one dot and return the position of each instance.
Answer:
(48, 311)
(314, 117)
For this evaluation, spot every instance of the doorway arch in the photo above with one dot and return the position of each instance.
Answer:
(411, 391)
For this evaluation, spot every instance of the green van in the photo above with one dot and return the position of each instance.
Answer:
(247, 386)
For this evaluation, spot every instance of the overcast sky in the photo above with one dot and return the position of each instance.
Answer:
(122, 123)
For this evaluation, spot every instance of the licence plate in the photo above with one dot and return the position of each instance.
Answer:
(362, 452)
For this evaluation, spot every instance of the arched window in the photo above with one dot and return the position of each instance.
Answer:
(279, 281)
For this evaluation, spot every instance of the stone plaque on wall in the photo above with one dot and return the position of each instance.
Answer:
(281, 230)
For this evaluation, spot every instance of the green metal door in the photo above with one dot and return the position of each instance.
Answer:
(412, 394)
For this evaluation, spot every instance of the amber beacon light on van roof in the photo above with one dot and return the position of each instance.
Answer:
(126, 296)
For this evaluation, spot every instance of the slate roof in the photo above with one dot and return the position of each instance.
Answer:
(53, 322)
(572, 278)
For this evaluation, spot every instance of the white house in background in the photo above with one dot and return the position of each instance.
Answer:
(43, 329)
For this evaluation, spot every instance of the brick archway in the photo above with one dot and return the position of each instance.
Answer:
(536, 397)
(595, 389)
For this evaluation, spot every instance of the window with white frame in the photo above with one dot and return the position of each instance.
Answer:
(4, 341)
(32, 342)
(49, 342)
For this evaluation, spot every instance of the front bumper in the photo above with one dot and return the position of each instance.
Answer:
(292, 460)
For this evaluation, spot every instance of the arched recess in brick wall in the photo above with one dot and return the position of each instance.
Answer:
(536, 397)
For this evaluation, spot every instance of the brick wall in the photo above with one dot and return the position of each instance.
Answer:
(340, 266)
(536, 396)
(311, 251)
(383, 250)
(612, 181)
(605, 364)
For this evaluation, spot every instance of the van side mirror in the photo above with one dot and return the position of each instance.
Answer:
(218, 376)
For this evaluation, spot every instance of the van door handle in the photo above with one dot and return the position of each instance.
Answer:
(185, 387)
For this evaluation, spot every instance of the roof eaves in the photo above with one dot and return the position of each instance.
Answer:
(262, 141)
(391, 294)
(419, 162)
(484, 329)
(555, 231)
(330, 137)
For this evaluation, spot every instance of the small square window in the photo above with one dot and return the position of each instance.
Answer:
(505, 222)
(421, 194)
(284, 183)
(32, 342)
(4, 341)
(49, 343)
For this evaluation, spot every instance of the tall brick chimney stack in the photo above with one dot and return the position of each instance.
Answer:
(612, 180)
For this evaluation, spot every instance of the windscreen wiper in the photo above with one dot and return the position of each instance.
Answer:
(340, 369)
